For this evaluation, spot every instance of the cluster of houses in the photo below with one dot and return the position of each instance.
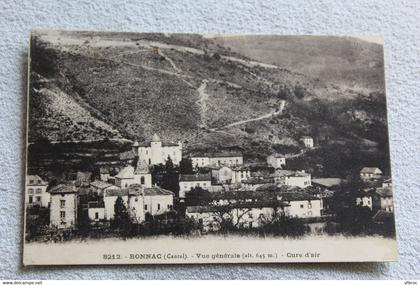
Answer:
(248, 194)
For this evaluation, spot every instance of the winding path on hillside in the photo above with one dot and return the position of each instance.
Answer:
(266, 116)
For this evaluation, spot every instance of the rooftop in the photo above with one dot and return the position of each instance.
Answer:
(296, 196)
(126, 173)
(35, 180)
(370, 170)
(384, 192)
(115, 192)
(327, 182)
(256, 204)
(101, 184)
(69, 188)
(225, 154)
(195, 177)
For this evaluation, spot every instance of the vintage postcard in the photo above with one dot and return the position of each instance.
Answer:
(185, 148)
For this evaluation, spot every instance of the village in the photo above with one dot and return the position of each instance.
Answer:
(158, 190)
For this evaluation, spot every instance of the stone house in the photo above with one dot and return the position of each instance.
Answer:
(63, 208)
(36, 192)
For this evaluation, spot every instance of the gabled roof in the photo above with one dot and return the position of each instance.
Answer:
(296, 196)
(126, 173)
(299, 174)
(370, 170)
(225, 154)
(384, 192)
(101, 184)
(115, 192)
(256, 180)
(155, 138)
(69, 188)
(195, 177)
(35, 180)
(327, 182)
(281, 173)
(237, 195)
(157, 191)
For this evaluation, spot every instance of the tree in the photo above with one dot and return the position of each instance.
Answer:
(121, 217)
(185, 166)
(197, 196)
(170, 179)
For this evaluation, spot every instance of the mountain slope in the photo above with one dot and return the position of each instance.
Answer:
(193, 89)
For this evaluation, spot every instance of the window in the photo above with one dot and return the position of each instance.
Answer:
(38, 198)
(301, 205)
(147, 152)
(158, 206)
(169, 207)
(142, 180)
(96, 216)
(136, 199)
(150, 161)
(31, 191)
(145, 207)
(31, 182)
(31, 199)
(62, 203)
(62, 214)
(38, 191)
(204, 184)
(200, 221)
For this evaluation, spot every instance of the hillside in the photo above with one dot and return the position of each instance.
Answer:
(192, 89)
(344, 61)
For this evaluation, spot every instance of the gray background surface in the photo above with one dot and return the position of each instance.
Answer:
(397, 21)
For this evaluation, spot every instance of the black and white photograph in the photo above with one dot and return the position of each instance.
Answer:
(206, 148)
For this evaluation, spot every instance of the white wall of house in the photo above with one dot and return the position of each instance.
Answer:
(144, 179)
(200, 161)
(158, 204)
(240, 175)
(387, 204)
(276, 162)
(185, 186)
(365, 201)
(37, 195)
(96, 214)
(136, 207)
(299, 181)
(156, 153)
(125, 182)
(308, 142)
(304, 209)
(63, 210)
(229, 161)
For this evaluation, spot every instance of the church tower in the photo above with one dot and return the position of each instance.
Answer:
(156, 150)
